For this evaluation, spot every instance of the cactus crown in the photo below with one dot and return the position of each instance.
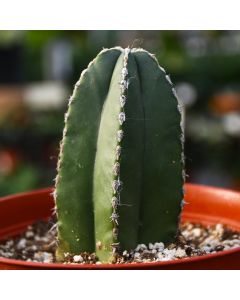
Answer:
(120, 169)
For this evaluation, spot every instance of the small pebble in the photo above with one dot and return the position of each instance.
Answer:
(219, 247)
(158, 246)
(196, 232)
(180, 253)
(159, 256)
(207, 249)
(43, 257)
(77, 258)
(136, 255)
(21, 244)
(150, 246)
(29, 235)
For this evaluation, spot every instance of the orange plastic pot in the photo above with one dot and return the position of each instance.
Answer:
(206, 205)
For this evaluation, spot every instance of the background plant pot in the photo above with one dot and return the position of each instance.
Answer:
(206, 205)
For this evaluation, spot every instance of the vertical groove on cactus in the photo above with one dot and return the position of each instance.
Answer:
(120, 172)
(117, 184)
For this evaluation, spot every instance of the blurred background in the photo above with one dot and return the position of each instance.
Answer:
(38, 70)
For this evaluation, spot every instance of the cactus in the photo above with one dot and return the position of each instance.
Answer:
(120, 169)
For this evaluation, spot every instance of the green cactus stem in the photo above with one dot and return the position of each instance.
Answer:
(120, 171)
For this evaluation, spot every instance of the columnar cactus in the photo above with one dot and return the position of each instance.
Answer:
(120, 171)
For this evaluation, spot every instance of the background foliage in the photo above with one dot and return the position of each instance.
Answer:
(39, 69)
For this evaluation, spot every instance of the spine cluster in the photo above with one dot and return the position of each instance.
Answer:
(117, 184)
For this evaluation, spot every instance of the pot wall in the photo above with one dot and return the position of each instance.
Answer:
(205, 205)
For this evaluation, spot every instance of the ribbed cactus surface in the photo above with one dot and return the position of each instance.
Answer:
(120, 170)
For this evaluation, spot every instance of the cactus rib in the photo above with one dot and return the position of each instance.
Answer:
(116, 169)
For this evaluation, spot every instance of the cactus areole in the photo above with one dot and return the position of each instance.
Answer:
(121, 165)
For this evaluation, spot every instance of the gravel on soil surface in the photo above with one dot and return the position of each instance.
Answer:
(38, 244)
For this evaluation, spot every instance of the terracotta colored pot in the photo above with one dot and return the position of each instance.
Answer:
(206, 205)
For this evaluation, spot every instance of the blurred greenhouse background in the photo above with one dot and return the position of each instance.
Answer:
(38, 70)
